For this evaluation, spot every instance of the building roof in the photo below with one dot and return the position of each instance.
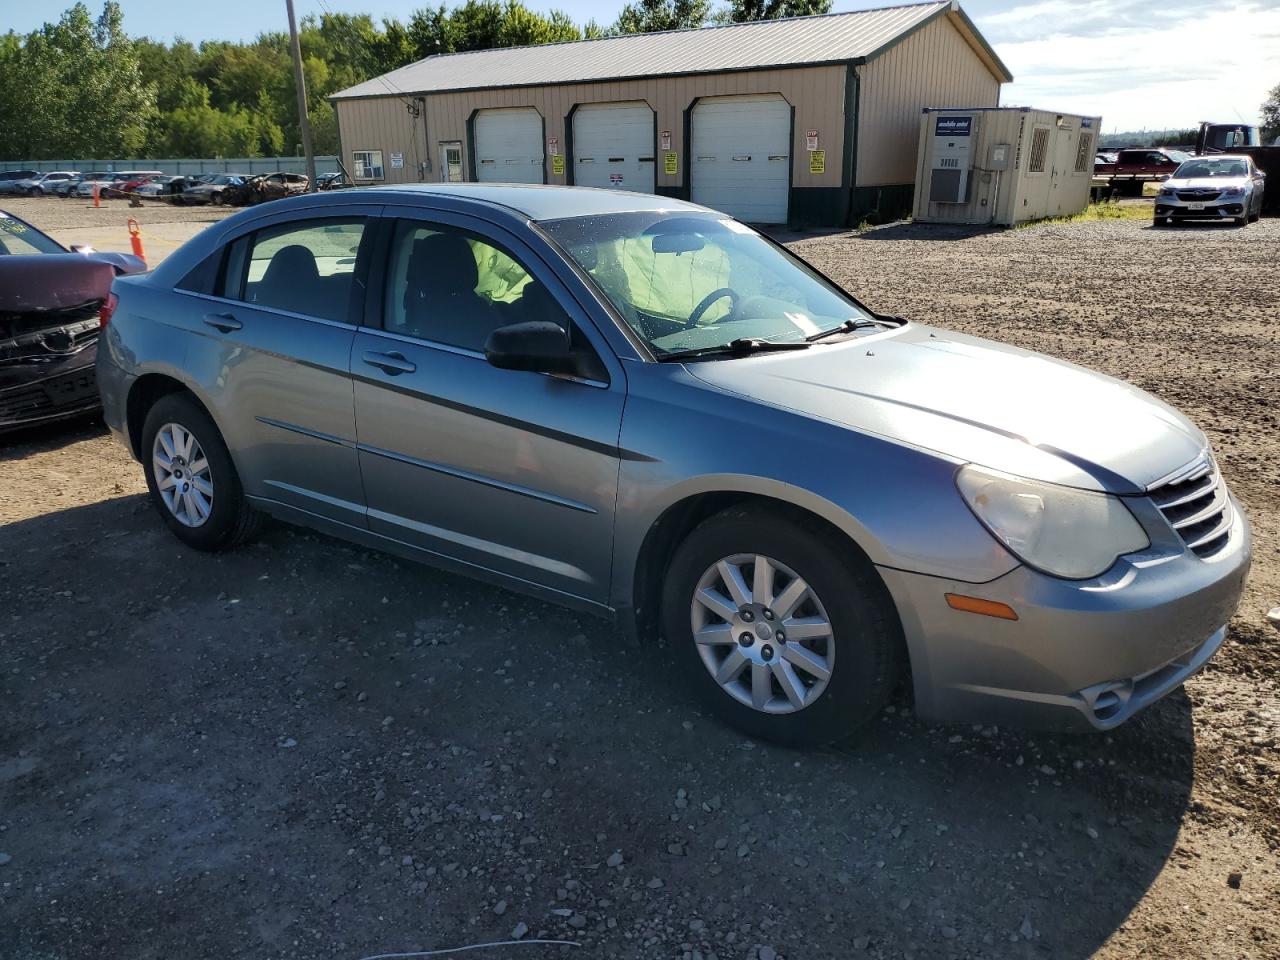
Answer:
(854, 37)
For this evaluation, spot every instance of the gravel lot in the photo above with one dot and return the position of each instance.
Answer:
(305, 750)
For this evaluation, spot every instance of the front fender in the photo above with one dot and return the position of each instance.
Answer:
(682, 438)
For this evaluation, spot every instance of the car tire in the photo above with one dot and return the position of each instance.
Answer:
(215, 199)
(1159, 222)
(861, 651)
(228, 518)
(34, 192)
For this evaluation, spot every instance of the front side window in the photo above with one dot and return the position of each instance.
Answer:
(449, 286)
(701, 281)
(367, 164)
(305, 268)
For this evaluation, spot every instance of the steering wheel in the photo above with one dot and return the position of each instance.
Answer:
(711, 298)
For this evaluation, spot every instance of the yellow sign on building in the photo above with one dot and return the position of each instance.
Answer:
(817, 161)
(669, 163)
(557, 165)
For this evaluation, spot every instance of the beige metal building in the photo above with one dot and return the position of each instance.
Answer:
(1003, 165)
(810, 120)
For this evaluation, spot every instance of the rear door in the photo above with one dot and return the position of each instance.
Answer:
(500, 470)
(274, 351)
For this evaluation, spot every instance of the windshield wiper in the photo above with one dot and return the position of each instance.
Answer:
(740, 347)
(847, 327)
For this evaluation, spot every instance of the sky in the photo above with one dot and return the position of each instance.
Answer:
(1138, 64)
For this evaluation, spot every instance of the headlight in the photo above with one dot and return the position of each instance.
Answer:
(1232, 191)
(1075, 534)
(1166, 191)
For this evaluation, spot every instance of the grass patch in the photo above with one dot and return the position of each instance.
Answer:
(1097, 211)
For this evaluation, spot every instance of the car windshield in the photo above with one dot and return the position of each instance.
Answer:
(1211, 168)
(698, 282)
(18, 238)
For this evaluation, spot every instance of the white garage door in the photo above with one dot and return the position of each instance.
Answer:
(508, 145)
(613, 146)
(741, 156)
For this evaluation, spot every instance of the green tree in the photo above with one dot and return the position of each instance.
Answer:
(648, 16)
(1270, 110)
(744, 11)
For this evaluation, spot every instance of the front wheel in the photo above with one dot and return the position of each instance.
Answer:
(784, 632)
(192, 480)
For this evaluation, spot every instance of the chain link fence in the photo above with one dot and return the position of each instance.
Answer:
(175, 167)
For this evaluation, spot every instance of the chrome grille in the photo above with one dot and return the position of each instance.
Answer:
(1195, 503)
(1198, 195)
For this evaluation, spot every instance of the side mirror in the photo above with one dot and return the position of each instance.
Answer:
(81, 248)
(536, 345)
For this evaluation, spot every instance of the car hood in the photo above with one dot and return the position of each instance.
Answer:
(1206, 183)
(976, 401)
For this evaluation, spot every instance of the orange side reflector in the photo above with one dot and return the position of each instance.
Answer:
(988, 608)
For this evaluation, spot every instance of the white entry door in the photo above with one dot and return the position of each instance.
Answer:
(613, 146)
(508, 145)
(741, 156)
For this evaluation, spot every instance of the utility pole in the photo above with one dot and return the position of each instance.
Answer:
(303, 120)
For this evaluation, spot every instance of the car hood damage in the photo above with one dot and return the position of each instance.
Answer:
(977, 401)
(49, 302)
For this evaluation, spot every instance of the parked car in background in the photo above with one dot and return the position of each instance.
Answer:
(217, 188)
(101, 179)
(162, 186)
(124, 181)
(333, 181)
(51, 301)
(9, 179)
(850, 497)
(43, 183)
(274, 186)
(1216, 187)
(1136, 167)
(66, 188)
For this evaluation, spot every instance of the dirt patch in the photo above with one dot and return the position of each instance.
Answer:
(302, 749)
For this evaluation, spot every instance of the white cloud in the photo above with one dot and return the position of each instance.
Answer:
(1142, 67)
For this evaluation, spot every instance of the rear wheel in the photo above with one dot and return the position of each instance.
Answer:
(783, 633)
(192, 480)
(34, 192)
(217, 199)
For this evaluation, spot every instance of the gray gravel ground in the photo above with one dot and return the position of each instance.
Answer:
(302, 749)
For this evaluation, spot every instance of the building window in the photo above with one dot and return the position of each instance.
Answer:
(367, 164)
(1039, 149)
(1083, 149)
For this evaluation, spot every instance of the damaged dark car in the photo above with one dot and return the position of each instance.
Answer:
(52, 303)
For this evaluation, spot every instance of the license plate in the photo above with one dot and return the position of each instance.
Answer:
(1195, 206)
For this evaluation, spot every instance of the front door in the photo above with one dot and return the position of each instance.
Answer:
(451, 161)
(508, 471)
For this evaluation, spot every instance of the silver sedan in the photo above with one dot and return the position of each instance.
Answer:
(1218, 187)
(644, 409)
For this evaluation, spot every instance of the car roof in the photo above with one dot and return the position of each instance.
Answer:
(1221, 156)
(543, 202)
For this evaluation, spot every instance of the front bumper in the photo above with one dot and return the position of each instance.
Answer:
(1217, 207)
(34, 393)
(1082, 655)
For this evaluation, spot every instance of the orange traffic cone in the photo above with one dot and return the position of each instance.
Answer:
(97, 200)
(135, 240)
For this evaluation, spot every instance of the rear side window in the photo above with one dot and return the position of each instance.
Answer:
(306, 268)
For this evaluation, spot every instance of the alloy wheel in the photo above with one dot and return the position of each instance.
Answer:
(182, 474)
(762, 633)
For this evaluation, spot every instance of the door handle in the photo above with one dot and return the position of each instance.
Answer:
(223, 322)
(390, 363)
